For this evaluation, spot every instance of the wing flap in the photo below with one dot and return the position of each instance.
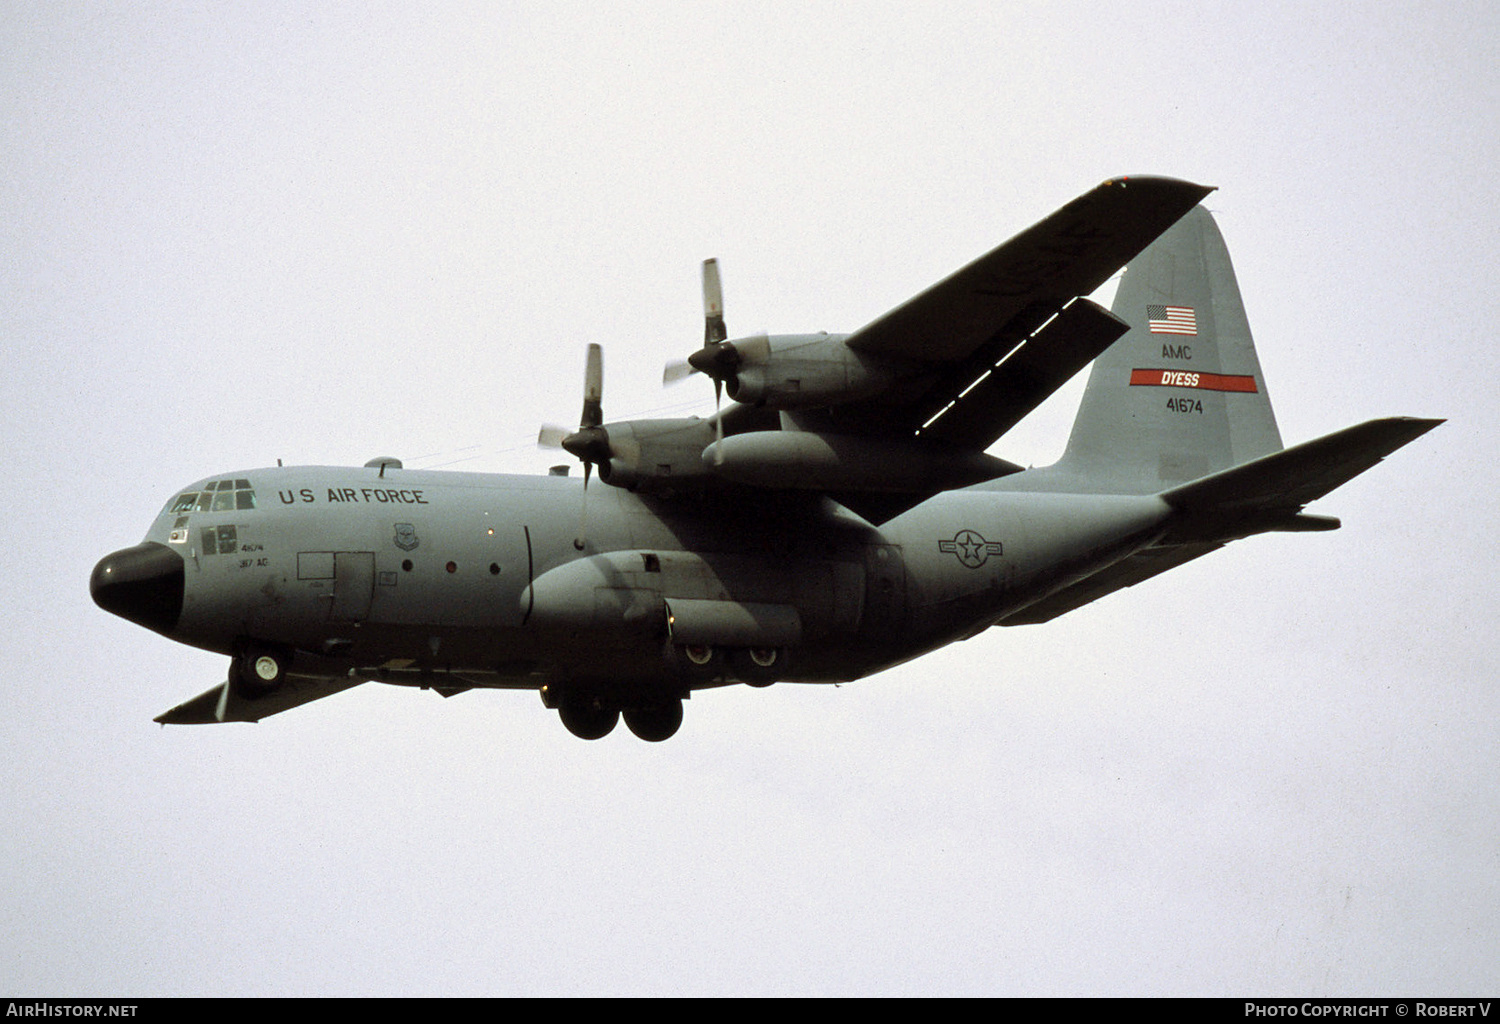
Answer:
(1028, 376)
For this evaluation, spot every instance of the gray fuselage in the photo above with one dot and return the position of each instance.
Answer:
(416, 576)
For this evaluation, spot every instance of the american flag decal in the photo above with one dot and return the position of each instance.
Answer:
(1171, 320)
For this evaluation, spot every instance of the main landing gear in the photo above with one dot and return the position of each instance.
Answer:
(587, 720)
(590, 720)
(653, 717)
(655, 723)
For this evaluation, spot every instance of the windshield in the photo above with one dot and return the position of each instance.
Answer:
(234, 495)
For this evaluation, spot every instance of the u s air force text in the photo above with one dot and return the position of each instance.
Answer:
(368, 495)
(1401, 1009)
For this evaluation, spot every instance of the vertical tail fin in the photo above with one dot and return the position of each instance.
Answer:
(1181, 395)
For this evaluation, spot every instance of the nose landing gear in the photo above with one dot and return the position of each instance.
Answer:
(258, 670)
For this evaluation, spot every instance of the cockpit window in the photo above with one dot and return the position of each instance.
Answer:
(216, 496)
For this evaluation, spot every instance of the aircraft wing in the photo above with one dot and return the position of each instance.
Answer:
(222, 704)
(943, 375)
(981, 340)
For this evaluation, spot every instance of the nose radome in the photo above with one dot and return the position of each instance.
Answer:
(143, 584)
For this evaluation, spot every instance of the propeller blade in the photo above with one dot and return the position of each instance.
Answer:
(718, 423)
(713, 304)
(593, 389)
(551, 436)
(583, 509)
(677, 370)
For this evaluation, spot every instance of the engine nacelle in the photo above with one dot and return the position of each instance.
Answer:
(673, 593)
(600, 592)
(796, 371)
(657, 454)
(833, 462)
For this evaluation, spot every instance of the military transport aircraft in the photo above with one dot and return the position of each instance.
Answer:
(841, 515)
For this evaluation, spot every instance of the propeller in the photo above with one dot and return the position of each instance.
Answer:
(590, 442)
(718, 358)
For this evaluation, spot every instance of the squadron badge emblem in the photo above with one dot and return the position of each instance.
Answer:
(406, 537)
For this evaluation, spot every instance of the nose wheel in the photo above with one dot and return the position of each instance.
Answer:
(258, 671)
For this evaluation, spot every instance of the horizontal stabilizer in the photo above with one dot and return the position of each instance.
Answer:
(1287, 480)
(1265, 494)
(222, 704)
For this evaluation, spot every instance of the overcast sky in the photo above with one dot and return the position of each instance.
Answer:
(319, 233)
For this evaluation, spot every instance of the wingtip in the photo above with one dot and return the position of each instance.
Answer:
(1158, 181)
(1418, 425)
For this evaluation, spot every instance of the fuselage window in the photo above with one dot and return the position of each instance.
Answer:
(218, 540)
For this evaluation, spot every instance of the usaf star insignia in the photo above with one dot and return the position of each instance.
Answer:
(972, 549)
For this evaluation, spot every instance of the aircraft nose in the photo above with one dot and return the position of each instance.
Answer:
(143, 584)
